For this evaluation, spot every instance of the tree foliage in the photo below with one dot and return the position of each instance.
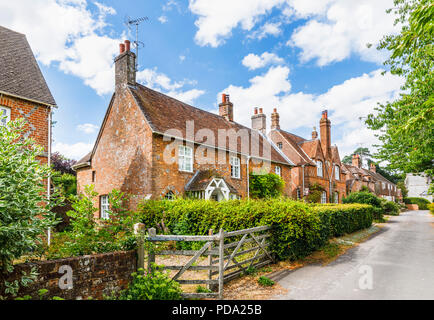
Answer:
(266, 186)
(407, 124)
(24, 206)
(62, 164)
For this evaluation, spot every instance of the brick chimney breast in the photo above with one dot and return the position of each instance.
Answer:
(325, 131)
(259, 121)
(226, 108)
(275, 120)
(356, 161)
(373, 168)
(125, 67)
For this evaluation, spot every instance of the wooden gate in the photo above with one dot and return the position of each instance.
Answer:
(226, 259)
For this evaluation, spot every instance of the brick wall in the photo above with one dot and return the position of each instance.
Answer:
(35, 114)
(93, 276)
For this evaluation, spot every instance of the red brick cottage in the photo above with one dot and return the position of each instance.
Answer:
(23, 90)
(317, 161)
(152, 146)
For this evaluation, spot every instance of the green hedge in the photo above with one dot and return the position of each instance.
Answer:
(299, 229)
(421, 202)
(364, 197)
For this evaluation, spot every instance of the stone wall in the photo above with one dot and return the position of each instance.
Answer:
(92, 276)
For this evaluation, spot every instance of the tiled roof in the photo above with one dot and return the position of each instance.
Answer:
(363, 173)
(203, 178)
(19, 72)
(310, 147)
(83, 160)
(298, 156)
(164, 113)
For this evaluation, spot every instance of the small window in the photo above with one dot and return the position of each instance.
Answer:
(324, 197)
(280, 145)
(234, 197)
(105, 207)
(93, 176)
(337, 173)
(235, 167)
(169, 196)
(336, 197)
(319, 168)
(185, 158)
(298, 194)
(278, 171)
(5, 115)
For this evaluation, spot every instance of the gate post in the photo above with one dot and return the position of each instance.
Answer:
(139, 229)
(221, 262)
(151, 254)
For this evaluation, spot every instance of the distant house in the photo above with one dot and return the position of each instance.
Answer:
(317, 162)
(357, 177)
(23, 90)
(152, 146)
(418, 185)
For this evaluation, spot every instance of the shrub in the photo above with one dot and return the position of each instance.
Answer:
(431, 208)
(390, 207)
(156, 285)
(421, 202)
(265, 282)
(265, 186)
(315, 193)
(298, 229)
(366, 198)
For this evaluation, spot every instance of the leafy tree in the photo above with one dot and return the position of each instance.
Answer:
(406, 125)
(62, 164)
(363, 152)
(24, 206)
(66, 183)
(266, 186)
(401, 185)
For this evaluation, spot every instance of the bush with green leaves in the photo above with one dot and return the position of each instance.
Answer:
(315, 193)
(89, 235)
(264, 186)
(390, 207)
(297, 231)
(421, 202)
(265, 282)
(24, 205)
(431, 208)
(364, 197)
(155, 285)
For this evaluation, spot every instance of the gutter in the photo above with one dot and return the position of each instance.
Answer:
(3, 93)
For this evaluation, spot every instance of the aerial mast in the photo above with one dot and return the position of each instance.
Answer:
(130, 22)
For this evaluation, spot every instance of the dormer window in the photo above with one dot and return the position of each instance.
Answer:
(5, 115)
(319, 172)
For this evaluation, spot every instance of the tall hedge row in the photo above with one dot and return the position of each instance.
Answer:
(299, 229)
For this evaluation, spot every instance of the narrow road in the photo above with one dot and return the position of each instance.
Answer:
(396, 263)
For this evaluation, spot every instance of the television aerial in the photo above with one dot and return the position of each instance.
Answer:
(129, 22)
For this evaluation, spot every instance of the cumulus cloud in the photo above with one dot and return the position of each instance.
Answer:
(338, 28)
(74, 151)
(218, 18)
(253, 61)
(347, 103)
(267, 29)
(87, 128)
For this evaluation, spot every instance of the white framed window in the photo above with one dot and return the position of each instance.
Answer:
(4, 112)
(185, 158)
(319, 168)
(337, 173)
(278, 171)
(105, 207)
(235, 167)
(324, 197)
(234, 197)
(280, 145)
(336, 197)
(169, 196)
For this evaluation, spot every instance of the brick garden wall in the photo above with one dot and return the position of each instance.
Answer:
(93, 276)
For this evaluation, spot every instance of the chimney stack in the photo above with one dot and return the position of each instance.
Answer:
(325, 131)
(314, 134)
(125, 66)
(373, 168)
(356, 161)
(259, 121)
(226, 108)
(275, 120)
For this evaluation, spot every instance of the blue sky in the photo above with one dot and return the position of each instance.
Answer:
(301, 56)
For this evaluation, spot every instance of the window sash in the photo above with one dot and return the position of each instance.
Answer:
(337, 173)
(319, 168)
(105, 207)
(185, 158)
(278, 171)
(4, 111)
(324, 197)
(235, 167)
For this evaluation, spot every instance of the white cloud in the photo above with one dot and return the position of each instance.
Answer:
(159, 81)
(163, 19)
(338, 28)
(267, 29)
(218, 18)
(253, 61)
(74, 151)
(346, 102)
(87, 128)
(182, 58)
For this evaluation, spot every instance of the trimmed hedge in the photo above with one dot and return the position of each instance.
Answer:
(431, 208)
(299, 229)
(421, 202)
(365, 197)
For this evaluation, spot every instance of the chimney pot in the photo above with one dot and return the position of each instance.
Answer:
(275, 110)
(127, 45)
(255, 110)
(121, 48)
(226, 108)
(260, 110)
